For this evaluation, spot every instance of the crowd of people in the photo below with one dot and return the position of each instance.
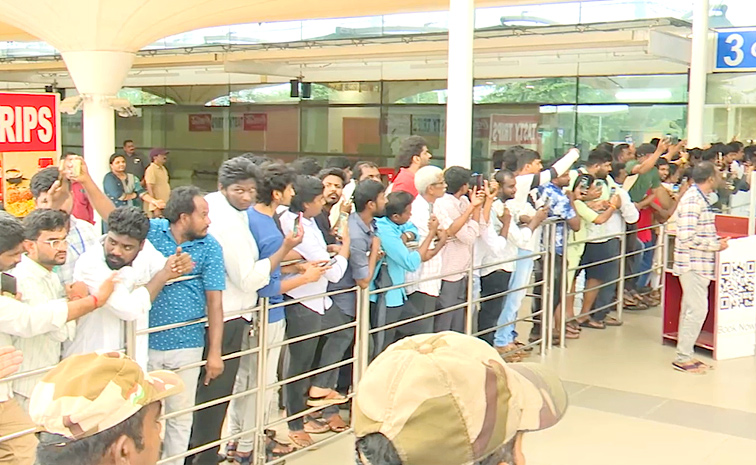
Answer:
(189, 269)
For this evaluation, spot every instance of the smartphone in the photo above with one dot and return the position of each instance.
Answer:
(547, 202)
(612, 191)
(628, 139)
(330, 262)
(297, 221)
(430, 210)
(674, 140)
(75, 167)
(8, 285)
(476, 180)
(583, 182)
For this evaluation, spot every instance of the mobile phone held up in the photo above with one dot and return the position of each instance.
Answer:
(476, 180)
(330, 262)
(297, 224)
(8, 286)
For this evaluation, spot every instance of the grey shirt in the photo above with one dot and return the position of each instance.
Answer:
(136, 164)
(361, 236)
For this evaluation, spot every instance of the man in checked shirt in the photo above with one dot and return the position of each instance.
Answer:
(696, 245)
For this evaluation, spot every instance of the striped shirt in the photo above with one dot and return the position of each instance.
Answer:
(696, 242)
(458, 254)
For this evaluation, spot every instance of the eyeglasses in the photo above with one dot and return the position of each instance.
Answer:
(57, 244)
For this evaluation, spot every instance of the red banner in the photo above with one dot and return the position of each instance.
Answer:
(507, 130)
(28, 122)
(255, 122)
(202, 122)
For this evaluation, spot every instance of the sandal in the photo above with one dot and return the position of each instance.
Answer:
(611, 321)
(315, 426)
(337, 424)
(300, 439)
(574, 326)
(242, 458)
(689, 367)
(332, 398)
(703, 365)
(522, 345)
(272, 454)
(593, 324)
(231, 450)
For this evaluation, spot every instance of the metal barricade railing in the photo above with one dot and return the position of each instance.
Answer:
(364, 332)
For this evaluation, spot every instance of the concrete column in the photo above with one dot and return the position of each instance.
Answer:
(98, 76)
(459, 106)
(699, 64)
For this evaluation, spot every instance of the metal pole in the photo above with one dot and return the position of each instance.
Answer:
(459, 105)
(131, 339)
(563, 291)
(621, 283)
(545, 333)
(699, 60)
(358, 341)
(262, 382)
(752, 206)
(364, 328)
(470, 294)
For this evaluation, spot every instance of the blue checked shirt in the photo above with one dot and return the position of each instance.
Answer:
(185, 300)
(696, 242)
(560, 208)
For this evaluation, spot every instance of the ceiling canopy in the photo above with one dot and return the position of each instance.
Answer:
(108, 25)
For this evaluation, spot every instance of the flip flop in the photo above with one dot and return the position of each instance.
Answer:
(316, 426)
(299, 442)
(593, 324)
(610, 321)
(689, 367)
(337, 424)
(332, 398)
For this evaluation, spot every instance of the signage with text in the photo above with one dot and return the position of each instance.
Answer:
(736, 50)
(28, 122)
(736, 308)
(508, 130)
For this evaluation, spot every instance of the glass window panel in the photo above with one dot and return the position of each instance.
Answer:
(401, 122)
(545, 128)
(612, 123)
(731, 88)
(347, 130)
(544, 90)
(346, 92)
(671, 88)
(414, 92)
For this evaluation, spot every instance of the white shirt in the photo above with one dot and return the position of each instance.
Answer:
(457, 255)
(104, 329)
(245, 272)
(21, 320)
(421, 211)
(38, 286)
(346, 196)
(492, 248)
(313, 248)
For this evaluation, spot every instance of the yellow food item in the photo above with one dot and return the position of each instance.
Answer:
(21, 208)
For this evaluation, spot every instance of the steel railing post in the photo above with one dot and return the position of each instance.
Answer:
(621, 283)
(262, 382)
(131, 339)
(470, 294)
(563, 289)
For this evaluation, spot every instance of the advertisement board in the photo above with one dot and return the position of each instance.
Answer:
(29, 141)
(736, 309)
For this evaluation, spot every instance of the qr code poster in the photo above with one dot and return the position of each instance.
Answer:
(737, 282)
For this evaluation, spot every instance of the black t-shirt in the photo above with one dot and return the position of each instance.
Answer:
(324, 224)
(137, 164)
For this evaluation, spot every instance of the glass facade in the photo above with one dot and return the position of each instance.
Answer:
(204, 125)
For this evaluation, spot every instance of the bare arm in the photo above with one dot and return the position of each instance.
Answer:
(214, 367)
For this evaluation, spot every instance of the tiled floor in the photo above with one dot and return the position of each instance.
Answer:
(628, 406)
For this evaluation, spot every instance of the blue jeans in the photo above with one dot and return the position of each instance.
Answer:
(647, 262)
(513, 302)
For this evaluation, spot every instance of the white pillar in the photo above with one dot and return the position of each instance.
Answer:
(699, 63)
(98, 76)
(459, 102)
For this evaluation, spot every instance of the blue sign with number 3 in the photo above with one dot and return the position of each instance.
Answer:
(736, 50)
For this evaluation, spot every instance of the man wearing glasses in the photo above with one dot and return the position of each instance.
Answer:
(45, 245)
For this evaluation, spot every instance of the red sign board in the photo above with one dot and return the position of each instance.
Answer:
(255, 122)
(509, 130)
(28, 122)
(200, 122)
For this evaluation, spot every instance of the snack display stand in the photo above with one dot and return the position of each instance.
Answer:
(29, 141)
(730, 327)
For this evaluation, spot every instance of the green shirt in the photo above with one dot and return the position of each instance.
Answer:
(643, 183)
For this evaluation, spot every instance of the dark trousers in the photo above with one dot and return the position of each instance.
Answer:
(492, 284)
(556, 287)
(300, 321)
(420, 303)
(385, 338)
(452, 293)
(606, 295)
(208, 422)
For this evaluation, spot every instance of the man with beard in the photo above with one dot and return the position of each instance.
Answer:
(333, 180)
(245, 274)
(142, 272)
(45, 245)
(413, 155)
(186, 224)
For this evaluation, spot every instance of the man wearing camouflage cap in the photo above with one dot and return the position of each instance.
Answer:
(100, 409)
(449, 399)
